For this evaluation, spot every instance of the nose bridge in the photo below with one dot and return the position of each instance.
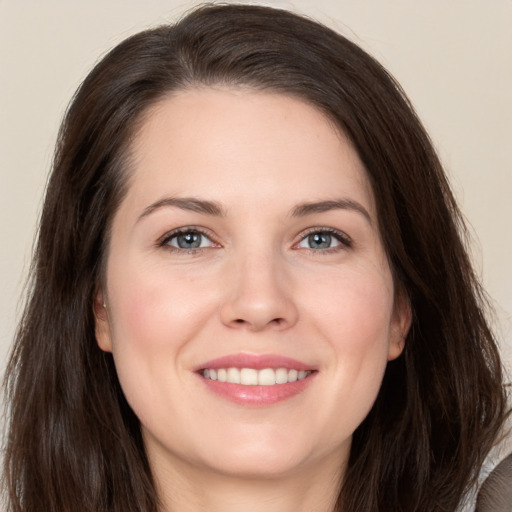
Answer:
(260, 273)
(258, 292)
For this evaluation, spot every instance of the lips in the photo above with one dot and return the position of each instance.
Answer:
(256, 361)
(256, 380)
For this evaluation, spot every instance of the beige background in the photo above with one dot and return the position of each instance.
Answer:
(454, 58)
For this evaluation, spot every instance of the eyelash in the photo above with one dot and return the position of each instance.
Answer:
(163, 242)
(344, 240)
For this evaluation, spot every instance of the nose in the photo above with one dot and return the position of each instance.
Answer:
(258, 295)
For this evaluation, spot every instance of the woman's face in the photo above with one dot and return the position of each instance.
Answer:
(247, 249)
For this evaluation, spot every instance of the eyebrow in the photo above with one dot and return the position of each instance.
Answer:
(185, 203)
(304, 209)
(215, 209)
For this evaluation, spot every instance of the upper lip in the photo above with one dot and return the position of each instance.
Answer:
(255, 361)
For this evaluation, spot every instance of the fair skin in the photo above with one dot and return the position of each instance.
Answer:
(278, 255)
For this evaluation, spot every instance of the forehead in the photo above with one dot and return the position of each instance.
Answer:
(222, 141)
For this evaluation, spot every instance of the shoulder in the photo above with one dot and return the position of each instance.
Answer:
(494, 486)
(495, 494)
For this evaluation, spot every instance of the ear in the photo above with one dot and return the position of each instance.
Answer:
(400, 324)
(101, 322)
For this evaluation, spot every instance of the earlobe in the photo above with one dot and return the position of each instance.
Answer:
(396, 347)
(101, 323)
(400, 325)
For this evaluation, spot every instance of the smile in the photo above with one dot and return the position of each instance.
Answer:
(256, 380)
(254, 377)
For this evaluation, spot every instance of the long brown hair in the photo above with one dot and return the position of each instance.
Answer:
(73, 441)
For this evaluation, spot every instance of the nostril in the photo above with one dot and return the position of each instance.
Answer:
(274, 321)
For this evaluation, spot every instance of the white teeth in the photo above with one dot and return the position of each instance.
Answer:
(267, 377)
(281, 376)
(248, 376)
(252, 377)
(233, 375)
(292, 375)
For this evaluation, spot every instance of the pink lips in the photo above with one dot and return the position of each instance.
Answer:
(256, 361)
(256, 395)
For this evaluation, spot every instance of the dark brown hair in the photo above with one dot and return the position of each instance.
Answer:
(74, 442)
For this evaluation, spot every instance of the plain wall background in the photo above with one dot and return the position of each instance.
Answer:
(454, 60)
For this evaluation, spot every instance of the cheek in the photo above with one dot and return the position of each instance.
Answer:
(364, 324)
(155, 315)
(354, 308)
(156, 309)
(354, 318)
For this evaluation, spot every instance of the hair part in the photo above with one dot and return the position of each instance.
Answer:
(74, 439)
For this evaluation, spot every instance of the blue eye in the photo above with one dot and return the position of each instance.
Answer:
(188, 240)
(322, 240)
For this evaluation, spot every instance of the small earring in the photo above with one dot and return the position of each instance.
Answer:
(104, 305)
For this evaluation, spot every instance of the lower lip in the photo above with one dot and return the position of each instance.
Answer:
(258, 395)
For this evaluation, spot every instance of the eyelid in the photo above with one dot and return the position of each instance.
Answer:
(345, 241)
(342, 237)
(163, 241)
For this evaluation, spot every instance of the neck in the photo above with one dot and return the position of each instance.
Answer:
(186, 489)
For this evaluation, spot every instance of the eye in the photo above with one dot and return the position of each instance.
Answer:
(324, 239)
(189, 239)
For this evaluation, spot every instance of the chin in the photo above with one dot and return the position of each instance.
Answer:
(262, 466)
(263, 457)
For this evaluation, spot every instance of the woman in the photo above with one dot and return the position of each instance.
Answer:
(250, 289)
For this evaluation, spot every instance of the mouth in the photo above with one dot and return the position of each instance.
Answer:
(254, 377)
(256, 380)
